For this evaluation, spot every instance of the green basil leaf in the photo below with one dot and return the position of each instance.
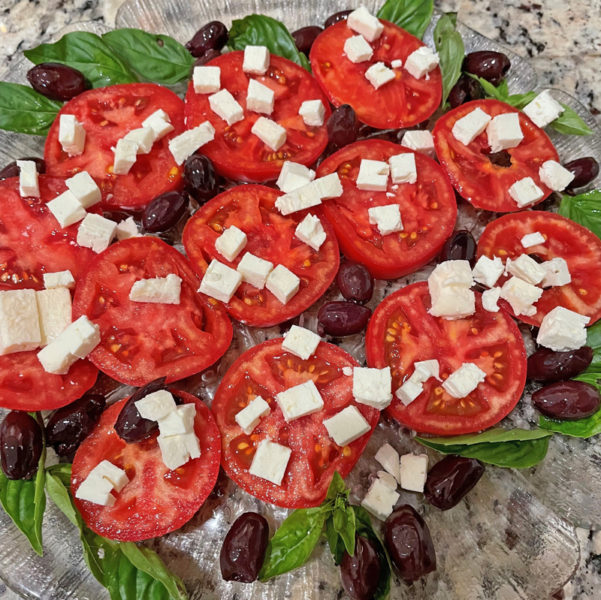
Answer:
(570, 123)
(495, 435)
(451, 51)
(335, 542)
(584, 209)
(23, 110)
(413, 16)
(343, 520)
(57, 486)
(490, 90)
(521, 100)
(260, 30)
(336, 487)
(153, 57)
(87, 53)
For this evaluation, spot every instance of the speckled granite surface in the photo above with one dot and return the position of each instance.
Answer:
(562, 39)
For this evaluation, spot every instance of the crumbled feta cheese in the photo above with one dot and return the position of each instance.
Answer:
(347, 371)
(357, 49)
(373, 175)
(526, 268)
(250, 416)
(421, 61)
(533, 239)
(256, 60)
(487, 271)
(450, 295)
(259, 97)
(397, 63)
(388, 457)
(409, 391)
(363, 22)
(380, 499)
(402, 168)
(127, 229)
(543, 109)
(504, 132)
(469, 127)
(299, 199)
(328, 186)
(231, 242)
(464, 380)
(160, 123)
(206, 79)
(19, 321)
(311, 232)
(220, 281)
(562, 330)
(372, 386)
(388, 480)
(301, 342)
(158, 290)
(386, 218)
(100, 482)
(191, 140)
(556, 272)
(59, 279)
(269, 132)
(346, 426)
(143, 137)
(126, 153)
(66, 209)
(425, 369)
(28, 179)
(224, 105)
(313, 113)
(413, 386)
(254, 270)
(179, 421)
(554, 176)
(54, 308)
(414, 471)
(84, 188)
(420, 141)
(177, 450)
(156, 406)
(282, 283)
(525, 191)
(270, 461)
(379, 74)
(521, 296)
(294, 176)
(71, 135)
(96, 232)
(490, 299)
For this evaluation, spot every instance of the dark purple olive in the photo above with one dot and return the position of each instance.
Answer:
(208, 56)
(339, 16)
(164, 211)
(20, 445)
(500, 159)
(361, 571)
(548, 365)
(244, 548)
(57, 82)
(12, 170)
(488, 64)
(409, 544)
(305, 36)
(342, 318)
(70, 425)
(342, 127)
(567, 400)
(466, 89)
(212, 36)
(355, 282)
(200, 178)
(450, 479)
(460, 246)
(585, 170)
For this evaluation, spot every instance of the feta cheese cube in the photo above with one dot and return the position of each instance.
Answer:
(409, 391)
(270, 461)
(206, 79)
(397, 63)
(299, 199)
(556, 272)
(425, 369)
(179, 421)
(525, 191)
(420, 141)
(388, 457)
(380, 499)
(190, 141)
(562, 330)
(160, 123)
(328, 186)
(490, 299)
(174, 451)
(533, 239)
(254, 270)
(19, 321)
(402, 168)
(224, 105)
(373, 175)
(84, 188)
(71, 135)
(311, 232)
(487, 271)
(112, 473)
(450, 295)
(357, 49)
(372, 386)
(156, 406)
(543, 109)
(526, 268)
(259, 97)
(363, 22)
(554, 176)
(386, 218)
(379, 74)
(464, 380)
(220, 281)
(346, 426)
(504, 132)
(157, 290)
(54, 308)
(100, 482)
(469, 127)
(301, 342)
(190, 441)
(388, 480)
(126, 153)
(313, 112)
(256, 60)
(96, 232)
(269, 132)
(66, 209)
(413, 387)
(28, 179)
(282, 283)
(250, 416)
(414, 471)
(231, 242)
(299, 401)
(421, 61)
(127, 229)
(294, 176)
(521, 296)
(59, 279)
(143, 137)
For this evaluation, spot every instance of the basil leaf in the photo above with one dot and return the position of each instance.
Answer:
(490, 90)
(413, 16)
(335, 542)
(451, 51)
(156, 58)
(337, 487)
(87, 53)
(584, 209)
(57, 486)
(521, 100)
(495, 435)
(570, 123)
(23, 110)
(343, 520)
(260, 30)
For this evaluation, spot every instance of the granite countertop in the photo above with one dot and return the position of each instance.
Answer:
(563, 41)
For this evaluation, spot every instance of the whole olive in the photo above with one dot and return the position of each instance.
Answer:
(460, 246)
(547, 365)
(342, 318)
(355, 282)
(567, 400)
(21, 445)
(12, 170)
(208, 56)
(339, 16)
(361, 572)
(200, 178)
(342, 127)
(585, 170)
(488, 64)
(212, 36)
(56, 81)
(164, 211)
(466, 89)
(244, 548)
(305, 36)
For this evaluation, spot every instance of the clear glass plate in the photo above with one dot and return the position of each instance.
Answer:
(513, 537)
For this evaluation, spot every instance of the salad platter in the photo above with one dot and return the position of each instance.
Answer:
(514, 534)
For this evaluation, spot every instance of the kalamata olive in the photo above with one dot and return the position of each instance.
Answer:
(200, 178)
(342, 127)
(409, 544)
(585, 170)
(355, 282)
(450, 479)
(208, 56)
(12, 170)
(466, 89)
(460, 246)
(500, 159)
(20, 445)
(70, 425)
(548, 365)
(488, 64)
(57, 82)
(212, 36)
(244, 548)
(164, 211)
(339, 16)
(567, 400)
(305, 36)
(342, 318)
(361, 571)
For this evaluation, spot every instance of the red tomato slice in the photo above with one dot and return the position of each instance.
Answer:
(107, 115)
(266, 370)
(271, 237)
(401, 332)
(403, 102)
(156, 500)
(428, 211)
(142, 341)
(239, 154)
(565, 239)
(471, 171)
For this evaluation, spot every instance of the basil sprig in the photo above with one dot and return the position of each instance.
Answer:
(451, 51)
(584, 209)
(413, 16)
(23, 110)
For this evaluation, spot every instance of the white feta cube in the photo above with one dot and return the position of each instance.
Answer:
(526, 268)
(206, 79)
(420, 141)
(388, 457)
(174, 451)
(504, 132)
(388, 480)
(562, 330)
(59, 279)
(425, 369)
(259, 97)
(28, 179)
(409, 391)
(543, 109)
(421, 61)
(294, 176)
(231, 242)
(328, 186)
(357, 49)
(313, 113)
(346, 426)
(525, 192)
(220, 281)
(84, 188)
(311, 232)
(71, 135)
(363, 22)
(250, 416)
(488, 270)
(533, 239)
(469, 127)
(256, 60)
(254, 270)
(372, 386)
(386, 218)
(414, 471)
(160, 123)
(299, 401)
(299, 199)
(373, 175)
(126, 153)
(270, 461)
(269, 132)
(112, 473)
(54, 308)
(380, 499)
(224, 105)
(66, 209)
(179, 421)
(464, 380)
(450, 295)
(157, 290)
(402, 168)
(191, 444)
(126, 229)
(397, 63)
(19, 321)
(521, 296)
(96, 490)
(282, 283)
(301, 342)
(556, 272)
(379, 74)
(156, 406)
(188, 142)
(555, 176)
(143, 137)
(96, 232)
(490, 299)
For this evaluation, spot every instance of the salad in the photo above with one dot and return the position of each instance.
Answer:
(291, 416)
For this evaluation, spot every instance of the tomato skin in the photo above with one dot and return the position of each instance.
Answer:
(428, 211)
(107, 115)
(266, 370)
(579, 247)
(156, 500)
(235, 151)
(490, 340)
(403, 102)
(474, 176)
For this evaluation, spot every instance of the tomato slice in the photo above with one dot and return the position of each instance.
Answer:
(239, 154)
(271, 237)
(107, 115)
(266, 370)
(403, 102)
(565, 239)
(428, 211)
(471, 168)
(156, 500)
(143, 341)
(401, 332)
